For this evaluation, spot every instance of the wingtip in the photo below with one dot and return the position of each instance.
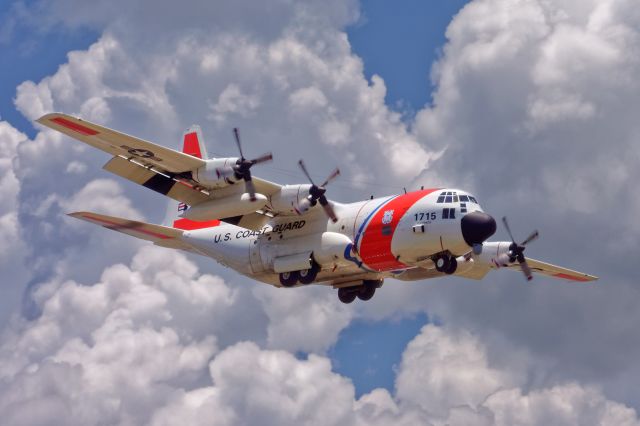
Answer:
(77, 215)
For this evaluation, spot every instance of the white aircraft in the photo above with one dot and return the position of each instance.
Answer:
(292, 235)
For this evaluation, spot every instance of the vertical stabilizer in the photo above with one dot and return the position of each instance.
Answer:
(193, 143)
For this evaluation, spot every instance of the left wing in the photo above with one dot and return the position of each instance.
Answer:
(554, 271)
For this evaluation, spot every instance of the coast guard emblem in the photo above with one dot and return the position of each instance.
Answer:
(387, 217)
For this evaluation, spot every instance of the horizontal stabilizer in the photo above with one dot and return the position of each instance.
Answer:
(158, 234)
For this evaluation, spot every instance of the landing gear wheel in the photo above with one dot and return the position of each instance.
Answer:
(453, 265)
(346, 294)
(307, 276)
(288, 279)
(443, 263)
(366, 291)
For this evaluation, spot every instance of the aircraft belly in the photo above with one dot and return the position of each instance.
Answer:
(229, 245)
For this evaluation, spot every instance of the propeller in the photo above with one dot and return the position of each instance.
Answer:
(516, 251)
(242, 168)
(316, 194)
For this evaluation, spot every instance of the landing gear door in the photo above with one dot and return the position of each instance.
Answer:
(255, 255)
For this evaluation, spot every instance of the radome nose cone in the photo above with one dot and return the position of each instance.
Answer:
(477, 227)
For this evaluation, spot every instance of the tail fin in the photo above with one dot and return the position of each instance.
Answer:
(193, 143)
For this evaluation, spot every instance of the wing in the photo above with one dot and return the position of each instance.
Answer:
(160, 235)
(120, 144)
(153, 166)
(554, 271)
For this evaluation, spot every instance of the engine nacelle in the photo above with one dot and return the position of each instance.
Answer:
(287, 199)
(332, 249)
(495, 254)
(209, 176)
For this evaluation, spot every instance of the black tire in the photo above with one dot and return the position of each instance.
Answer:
(443, 263)
(347, 294)
(453, 265)
(308, 276)
(366, 291)
(288, 279)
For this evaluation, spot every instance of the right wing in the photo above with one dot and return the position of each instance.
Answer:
(121, 144)
(153, 166)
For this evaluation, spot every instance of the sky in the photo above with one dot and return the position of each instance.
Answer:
(529, 104)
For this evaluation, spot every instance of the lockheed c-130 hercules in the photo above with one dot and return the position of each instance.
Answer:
(293, 235)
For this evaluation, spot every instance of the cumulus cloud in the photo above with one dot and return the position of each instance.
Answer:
(123, 351)
(534, 106)
(12, 249)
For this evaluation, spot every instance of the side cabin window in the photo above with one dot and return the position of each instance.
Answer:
(449, 213)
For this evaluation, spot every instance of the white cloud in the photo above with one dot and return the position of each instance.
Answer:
(143, 346)
(306, 319)
(12, 248)
(535, 107)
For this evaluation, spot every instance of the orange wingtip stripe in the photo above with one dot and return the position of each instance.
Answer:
(188, 224)
(74, 126)
(571, 277)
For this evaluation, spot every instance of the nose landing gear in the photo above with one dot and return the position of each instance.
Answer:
(447, 264)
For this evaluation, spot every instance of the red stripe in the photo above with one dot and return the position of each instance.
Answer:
(189, 225)
(570, 277)
(117, 226)
(191, 145)
(375, 248)
(74, 126)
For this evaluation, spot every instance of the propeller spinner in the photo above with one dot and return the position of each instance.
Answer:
(316, 194)
(516, 251)
(242, 168)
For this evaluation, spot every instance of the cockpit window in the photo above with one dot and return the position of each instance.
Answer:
(453, 197)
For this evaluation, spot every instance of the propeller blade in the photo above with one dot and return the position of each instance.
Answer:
(304, 169)
(249, 187)
(526, 270)
(534, 235)
(237, 135)
(328, 208)
(263, 158)
(331, 177)
(506, 225)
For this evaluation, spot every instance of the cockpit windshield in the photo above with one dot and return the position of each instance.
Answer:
(454, 197)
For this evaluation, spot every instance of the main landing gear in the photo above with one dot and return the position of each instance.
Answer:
(447, 264)
(306, 276)
(365, 291)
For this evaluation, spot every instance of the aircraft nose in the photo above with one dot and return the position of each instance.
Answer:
(477, 227)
